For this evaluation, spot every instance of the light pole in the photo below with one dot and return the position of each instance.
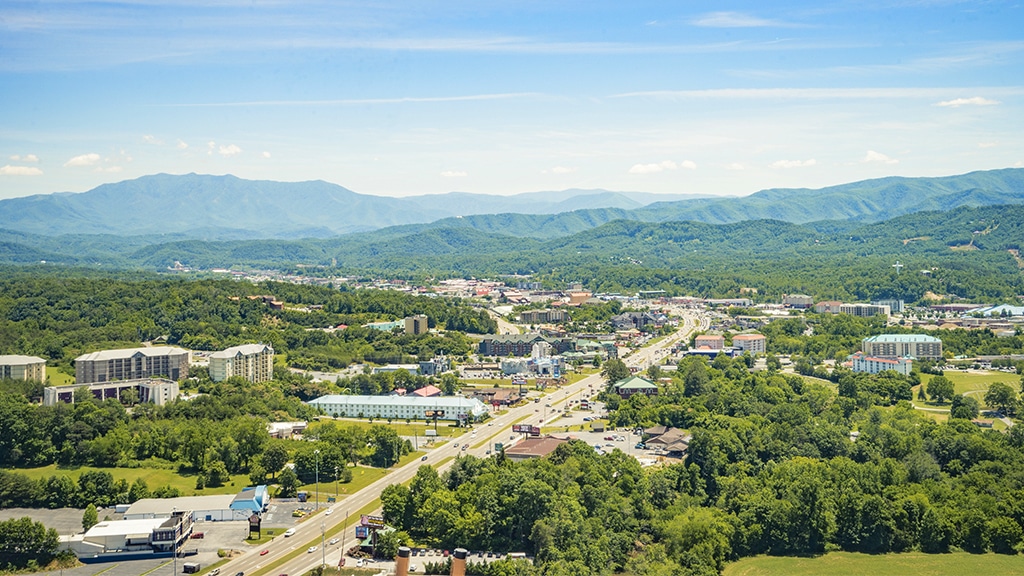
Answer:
(323, 549)
(316, 456)
(335, 483)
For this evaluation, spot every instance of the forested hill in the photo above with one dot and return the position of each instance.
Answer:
(199, 207)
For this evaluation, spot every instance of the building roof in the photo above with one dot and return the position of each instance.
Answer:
(748, 337)
(710, 337)
(535, 447)
(428, 390)
(410, 400)
(129, 352)
(528, 337)
(863, 356)
(244, 350)
(902, 338)
(168, 505)
(635, 383)
(124, 527)
(16, 360)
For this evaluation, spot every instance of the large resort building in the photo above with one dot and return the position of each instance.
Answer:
(23, 368)
(918, 346)
(132, 364)
(410, 407)
(254, 362)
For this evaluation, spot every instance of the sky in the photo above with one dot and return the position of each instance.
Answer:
(397, 98)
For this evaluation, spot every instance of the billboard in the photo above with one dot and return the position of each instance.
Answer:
(526, 429)
(372, 521)
(362, 532)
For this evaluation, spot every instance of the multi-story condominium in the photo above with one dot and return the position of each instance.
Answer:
(864, 310)
(254, 362)
(895, 306)
(132, 364)
(919, 346)
(753, 343)
(828, 307)
(542, 316)
(712, 341)
(797, 300)
(864, 363)
(23, 368)
(416, 325)
(158, 391)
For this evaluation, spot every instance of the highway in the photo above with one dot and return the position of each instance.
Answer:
(496, 429)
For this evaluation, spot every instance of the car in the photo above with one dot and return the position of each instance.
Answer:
(412, 568)
(490, 554)
(264, 552)
(587, 418)
(311, 549)
(512, 437)
(609, 444)
(464, 447)
(359, 563)
(197, 535)
(328, 512)
(422, 459)
(456, 444)
(490, 423)
(333, 541)
(488, 451)
(214, 572)
(240, 574)
(289, 532)
(640, 446)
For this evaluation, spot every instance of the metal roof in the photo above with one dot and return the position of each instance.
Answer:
(129, 352)
(902, 338)
(16, 360)
(244, 350)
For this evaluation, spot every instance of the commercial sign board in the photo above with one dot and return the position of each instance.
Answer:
(526, 429)
(362, 532)
(372, 521)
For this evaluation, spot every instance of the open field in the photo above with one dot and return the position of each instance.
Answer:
(154, 478)
(404, 429)
(975, 381)
(362, 476)
(58, 378)
(849, 564)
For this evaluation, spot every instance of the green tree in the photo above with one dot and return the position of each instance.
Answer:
(289, 483)
(138, 491)
(1001, 397)
(964, 407)
(90, 517)
(274, 457)
(940, 389)
(614, 370)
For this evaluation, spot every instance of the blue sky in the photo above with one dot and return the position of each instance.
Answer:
(414, 97)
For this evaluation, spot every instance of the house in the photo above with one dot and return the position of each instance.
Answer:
(158, 391)
(416, 325)
(410, 406)
(637, 320)
(253, 362)
(428, 391)
(672, 440)
(521, 344)
(635, 385)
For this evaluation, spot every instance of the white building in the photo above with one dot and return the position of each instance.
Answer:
(213, 508)
(254, 362)
(23, 368)
(864, 310)
(132, 363)
(157, 391)
(872, 365)
(153, 534)
(401, 407)
(919, 346)
(753, 343)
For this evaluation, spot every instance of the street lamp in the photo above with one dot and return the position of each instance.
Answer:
(323, 549)
(335, 483)
(316, 456)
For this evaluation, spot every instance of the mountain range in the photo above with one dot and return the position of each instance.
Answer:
(166, 207)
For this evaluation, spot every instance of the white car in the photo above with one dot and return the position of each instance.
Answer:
(333, 541)
(412, 568)
(311, 549)
(289, 532)
(328, 512)
(359, 563)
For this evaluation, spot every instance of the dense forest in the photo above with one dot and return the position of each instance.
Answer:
(59, 318)
(772, 468)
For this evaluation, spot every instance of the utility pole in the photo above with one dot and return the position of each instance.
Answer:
(323, 548)
(336, 483)
(316, 456)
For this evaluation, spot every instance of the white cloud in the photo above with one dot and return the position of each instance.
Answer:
(653, 168)
(975, 101)
(794, 163)
(734, 20)
(25, 158)
(987, 144)
(736, 166)
(210, 147)
(150, 139)
(688, 164)
(559, 170)
(20, 171)
(878, 157)
(182, 145)
(265, 154)
(229, 150)
(108, 169)
(454, 174)
(83, 160)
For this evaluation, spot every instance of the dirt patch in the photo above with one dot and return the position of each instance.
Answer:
(918, 239)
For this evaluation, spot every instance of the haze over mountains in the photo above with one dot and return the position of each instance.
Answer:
(225, 207)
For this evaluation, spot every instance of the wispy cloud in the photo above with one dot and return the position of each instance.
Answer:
(454, 174)
(794, 163)
(229, 150)
(150, 139)
(9, 170)
(181, 145)
(559, 170)
(809, 93)
(973, 101)
(363, 101)
(24, 158)
(83, 160)
(735, 20)
(873, 157)
(656, 167)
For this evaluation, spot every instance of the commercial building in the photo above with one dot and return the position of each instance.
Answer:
(861, 362)
(752, 343)
(23, 368)
(133, 363)
(254, 362)
(216, 508)
(522, 344)
(919, 346)
(157, 391)
(456, 408)
(543, 316)
(896, 306)
(416, 325)
(864, 310)
(140, 535)
(533, 448)
(801, 301)
(828, 307)
(635, 385)
(712, 341)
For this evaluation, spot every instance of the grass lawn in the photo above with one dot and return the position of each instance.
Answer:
(362, 476)
(850, 564)
(58, 378)
(154, 478)
(964, 382)
(268, 535)
(403, 429)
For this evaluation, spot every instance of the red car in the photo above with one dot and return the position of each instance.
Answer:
(264, 552)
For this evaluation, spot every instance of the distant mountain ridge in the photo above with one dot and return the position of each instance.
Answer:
(229, 208)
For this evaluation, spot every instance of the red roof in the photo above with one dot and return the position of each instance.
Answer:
(427, 391)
